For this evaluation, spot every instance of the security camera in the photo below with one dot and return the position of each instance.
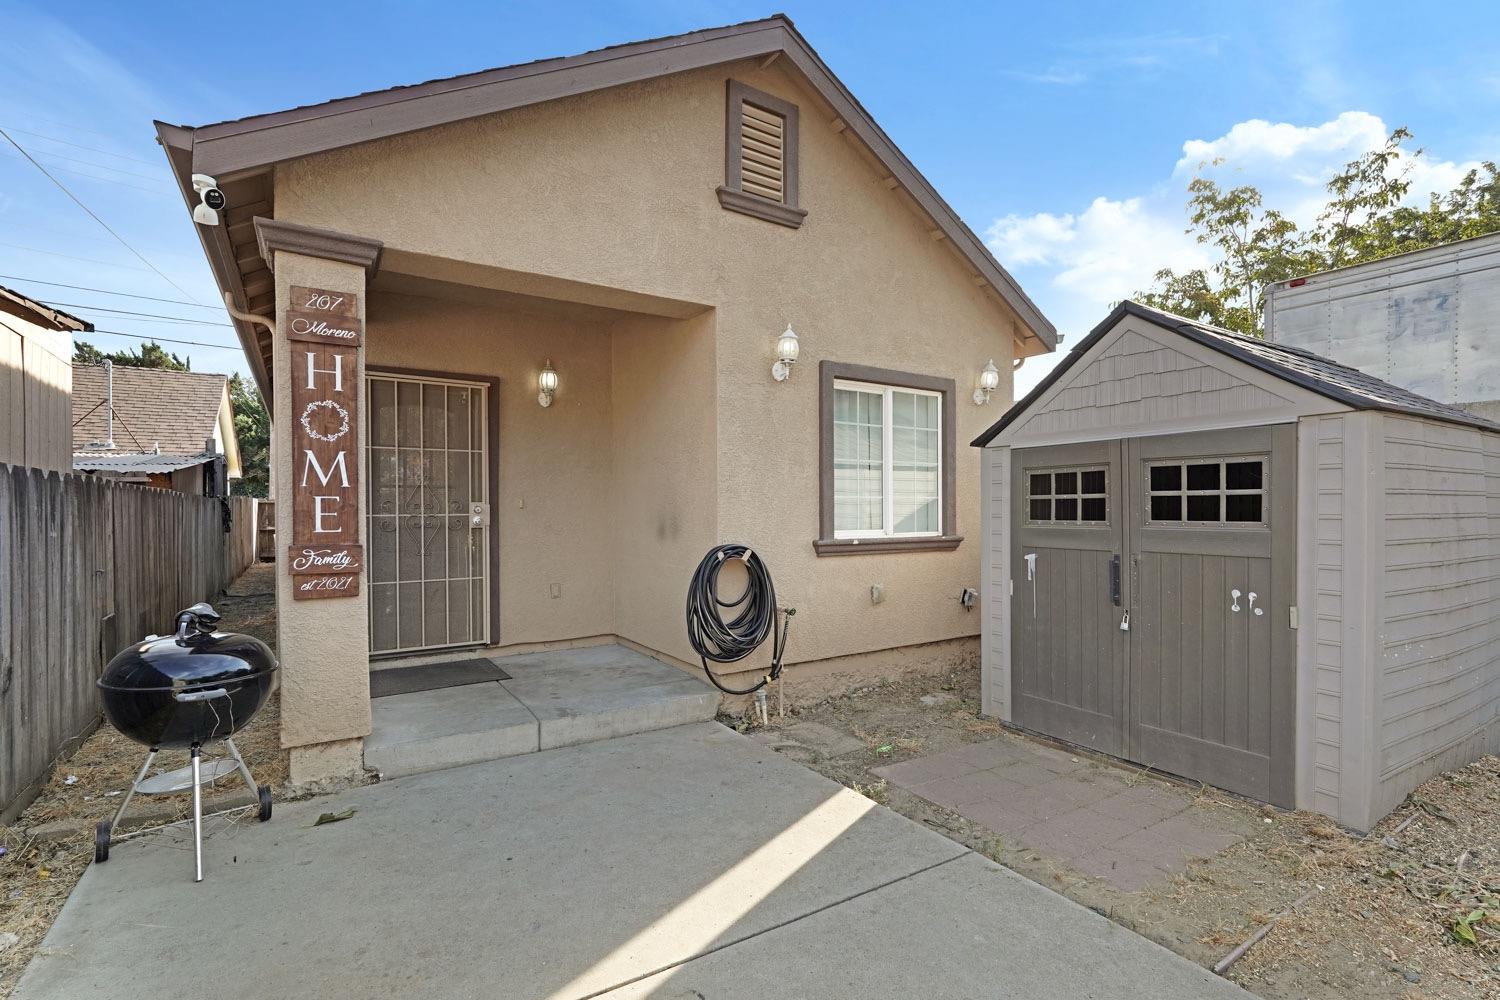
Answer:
(210, 200)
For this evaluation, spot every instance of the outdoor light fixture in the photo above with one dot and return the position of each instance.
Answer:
(787, 350)
(546, 383)
(989, 381)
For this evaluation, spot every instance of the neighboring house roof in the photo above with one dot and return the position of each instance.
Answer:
(95, 462)
(1313, 372)
(40, 313)
(244, 146)
(176, 410)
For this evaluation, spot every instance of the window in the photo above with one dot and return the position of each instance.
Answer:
(1067, 496)
(887, 456)
(760, 157)
(1214, 491)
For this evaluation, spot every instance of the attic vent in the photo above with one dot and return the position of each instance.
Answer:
(760, 157)
(762, 152)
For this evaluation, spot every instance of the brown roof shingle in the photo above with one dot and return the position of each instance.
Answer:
(177, 410)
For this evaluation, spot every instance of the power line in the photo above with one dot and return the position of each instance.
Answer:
(64, 188)
(106, 180)
(79, 145)
(106, 291)
(143, 315)
(169, 340)
(83, 260)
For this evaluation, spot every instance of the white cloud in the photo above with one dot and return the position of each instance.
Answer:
(1077, 261)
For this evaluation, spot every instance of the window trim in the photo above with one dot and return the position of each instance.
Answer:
(1223, 492)
(732, 194)
(827, 543)
(1051, 471)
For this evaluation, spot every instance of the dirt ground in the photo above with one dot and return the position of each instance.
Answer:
(50, 845)
(1390, 914)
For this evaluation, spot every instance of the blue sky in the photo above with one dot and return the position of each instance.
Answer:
(1063, 133)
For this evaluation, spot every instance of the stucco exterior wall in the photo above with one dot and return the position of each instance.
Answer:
(616, 190)
(36, 395)
(552, 510)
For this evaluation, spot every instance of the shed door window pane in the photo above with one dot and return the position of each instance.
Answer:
(1071, 496)
(887, 461)
(858, 460)
(1208, 491)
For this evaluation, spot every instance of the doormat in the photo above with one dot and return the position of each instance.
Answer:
(433, 676)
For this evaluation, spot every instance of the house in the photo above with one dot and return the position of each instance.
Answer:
(1428, 320)
(169, 429)
(36, 380)
(519, 327)
(1242, 563)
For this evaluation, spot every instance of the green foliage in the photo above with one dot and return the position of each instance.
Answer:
(150, 355)
(252, 428)
(1363, 220)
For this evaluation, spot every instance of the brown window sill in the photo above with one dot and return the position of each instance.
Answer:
(749, 204)
(867, 546)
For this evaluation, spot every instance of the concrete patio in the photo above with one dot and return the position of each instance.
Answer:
(682, 863)
(553, 699)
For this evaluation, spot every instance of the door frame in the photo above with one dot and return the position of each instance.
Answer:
(492, 484)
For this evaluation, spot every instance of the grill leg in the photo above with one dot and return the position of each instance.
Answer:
(139, 777)
(239, 762)
(197, 818)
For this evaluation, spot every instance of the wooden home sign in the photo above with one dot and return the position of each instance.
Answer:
(325, 331)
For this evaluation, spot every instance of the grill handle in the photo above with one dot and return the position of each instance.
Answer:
(201, 617)
(208, 694)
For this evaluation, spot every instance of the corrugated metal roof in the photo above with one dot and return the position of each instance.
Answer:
(1303, 368)
(115, 462)
(176, 410)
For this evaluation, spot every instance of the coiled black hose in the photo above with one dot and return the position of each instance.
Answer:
(729, 642)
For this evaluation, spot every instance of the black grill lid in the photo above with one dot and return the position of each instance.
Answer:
(193, 658)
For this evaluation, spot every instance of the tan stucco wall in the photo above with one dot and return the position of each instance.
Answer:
(552, 510)
(616, 189)
(325, 680)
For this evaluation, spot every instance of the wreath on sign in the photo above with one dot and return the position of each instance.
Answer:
(330, 405)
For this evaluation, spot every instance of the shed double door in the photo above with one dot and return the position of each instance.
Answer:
(1153, 584)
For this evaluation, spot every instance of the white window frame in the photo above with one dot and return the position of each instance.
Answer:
(887, 463)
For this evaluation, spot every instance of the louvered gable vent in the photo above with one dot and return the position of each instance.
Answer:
(762, 152)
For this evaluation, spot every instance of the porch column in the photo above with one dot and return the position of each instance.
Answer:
(318, 364)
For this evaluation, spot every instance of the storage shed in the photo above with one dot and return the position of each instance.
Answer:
(1242, 563)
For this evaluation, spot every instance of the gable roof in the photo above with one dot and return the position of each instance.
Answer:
(41, 313)
(244, 146)
(1312, 372)
(176, 410)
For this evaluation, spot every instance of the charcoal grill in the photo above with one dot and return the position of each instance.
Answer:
(185, 691)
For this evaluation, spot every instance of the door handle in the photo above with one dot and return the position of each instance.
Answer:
(1114, 580)
(1253, 608)
(1234, 601)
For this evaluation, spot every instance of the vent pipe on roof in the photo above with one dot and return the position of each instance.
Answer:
(109, 405)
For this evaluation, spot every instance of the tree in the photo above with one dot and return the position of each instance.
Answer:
(151, 355)
(1364, 219)
(252, 428)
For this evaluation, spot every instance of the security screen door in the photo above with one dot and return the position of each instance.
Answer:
(1189, 541)
(427, 480)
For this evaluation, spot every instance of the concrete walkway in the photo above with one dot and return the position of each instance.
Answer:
(682, 863)
(556, 698)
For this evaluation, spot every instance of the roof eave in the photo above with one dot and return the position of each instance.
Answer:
(256, 143)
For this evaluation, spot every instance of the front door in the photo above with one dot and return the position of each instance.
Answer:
(1153, 585)
(427, 513)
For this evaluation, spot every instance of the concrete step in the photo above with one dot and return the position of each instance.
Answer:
(553, 699)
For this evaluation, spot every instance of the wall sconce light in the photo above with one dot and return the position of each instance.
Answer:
(787, 350)
(546, 383)
(989, 381)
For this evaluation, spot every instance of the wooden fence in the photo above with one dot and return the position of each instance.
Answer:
(86, 566)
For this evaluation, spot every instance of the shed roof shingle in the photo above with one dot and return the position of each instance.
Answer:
(178, 410)
(1313, 372)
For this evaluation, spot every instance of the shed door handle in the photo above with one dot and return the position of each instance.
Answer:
(1114, 580)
